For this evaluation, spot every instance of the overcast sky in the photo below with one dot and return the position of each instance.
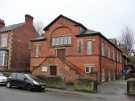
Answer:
(106, 16)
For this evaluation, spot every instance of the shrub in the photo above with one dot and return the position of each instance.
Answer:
(85, 85)
(53, 82)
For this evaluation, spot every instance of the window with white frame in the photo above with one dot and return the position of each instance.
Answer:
(3, 58)
(103, 49)
(89, 47)
(88, 68)
(4, 40)
(64, 40)
(44, 68)
(36, 50)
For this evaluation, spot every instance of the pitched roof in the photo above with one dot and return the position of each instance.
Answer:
(10, 27)
(89, 31)
(61, 16)
(101, 35)
(39, 38)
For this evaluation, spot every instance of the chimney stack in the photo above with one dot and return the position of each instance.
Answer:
(28, 19)
(2, 23)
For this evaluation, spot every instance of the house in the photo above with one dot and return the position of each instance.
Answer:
(14, 45)
(72, 51)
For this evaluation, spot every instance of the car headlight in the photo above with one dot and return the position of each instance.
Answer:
(36, 83)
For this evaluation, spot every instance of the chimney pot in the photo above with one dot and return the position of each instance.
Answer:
(2, 23)
(28, 19)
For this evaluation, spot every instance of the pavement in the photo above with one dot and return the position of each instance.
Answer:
(110, 91)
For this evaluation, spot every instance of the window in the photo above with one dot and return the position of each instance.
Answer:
(103, 49)
(88, 68)
(89, 47)
(4, 40)
(61, 52)
(53, 70)
(13, 75)
(44, 68)
(37, 50)
(3, 58)
(20, 76)
(120, 58)
(65, 40)
(80, 46)
(117, 57)
(109, 52)
(113, 54)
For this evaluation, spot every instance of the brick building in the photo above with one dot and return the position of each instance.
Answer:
(14, 45)
(70, 50)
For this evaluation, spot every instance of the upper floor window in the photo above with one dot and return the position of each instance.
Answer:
(36, 50)
(4, 40)
(65, 40)
(117, 57)
(120, 58)
(113, 54)
(80, 45)
(103, 49)
(89, 47)
(109, 52)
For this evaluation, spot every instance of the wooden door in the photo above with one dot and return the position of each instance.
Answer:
(53, 70)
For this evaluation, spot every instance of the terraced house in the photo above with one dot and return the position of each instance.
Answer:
(70, 50)
(14, 42)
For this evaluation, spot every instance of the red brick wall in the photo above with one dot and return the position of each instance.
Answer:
(20, 59)
(65, 27)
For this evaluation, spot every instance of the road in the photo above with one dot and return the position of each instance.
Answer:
(22, 95)
(113, 91)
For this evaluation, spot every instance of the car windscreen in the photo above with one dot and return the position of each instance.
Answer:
(31, 77)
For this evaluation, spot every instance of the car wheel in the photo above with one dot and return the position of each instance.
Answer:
(29, 87)
(8, 85)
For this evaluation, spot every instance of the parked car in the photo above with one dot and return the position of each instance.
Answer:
(3, 79)
(131, 74)
(26, 81)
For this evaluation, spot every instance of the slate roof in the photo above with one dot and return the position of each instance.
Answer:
(89, 31)
(39, 38)
(10, 27)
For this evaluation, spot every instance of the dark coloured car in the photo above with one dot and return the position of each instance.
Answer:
(25, 81)
(131, 74)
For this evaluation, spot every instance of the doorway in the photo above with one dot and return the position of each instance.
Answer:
(53, 70)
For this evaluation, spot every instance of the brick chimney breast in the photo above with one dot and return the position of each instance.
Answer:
(28, 19)
(2, 23)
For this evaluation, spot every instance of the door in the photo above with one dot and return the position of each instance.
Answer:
(60, 52)
(53, 70)
(20, 80)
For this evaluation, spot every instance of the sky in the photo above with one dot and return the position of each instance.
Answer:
(109, 17)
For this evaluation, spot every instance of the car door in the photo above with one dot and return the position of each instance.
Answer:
(20, 82)
(12, 79)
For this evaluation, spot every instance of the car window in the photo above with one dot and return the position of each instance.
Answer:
(31, 77)
(20, 76)
(1, 74)
(13, 75)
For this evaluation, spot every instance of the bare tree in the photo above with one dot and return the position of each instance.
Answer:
(127, 40)
(39, 27)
